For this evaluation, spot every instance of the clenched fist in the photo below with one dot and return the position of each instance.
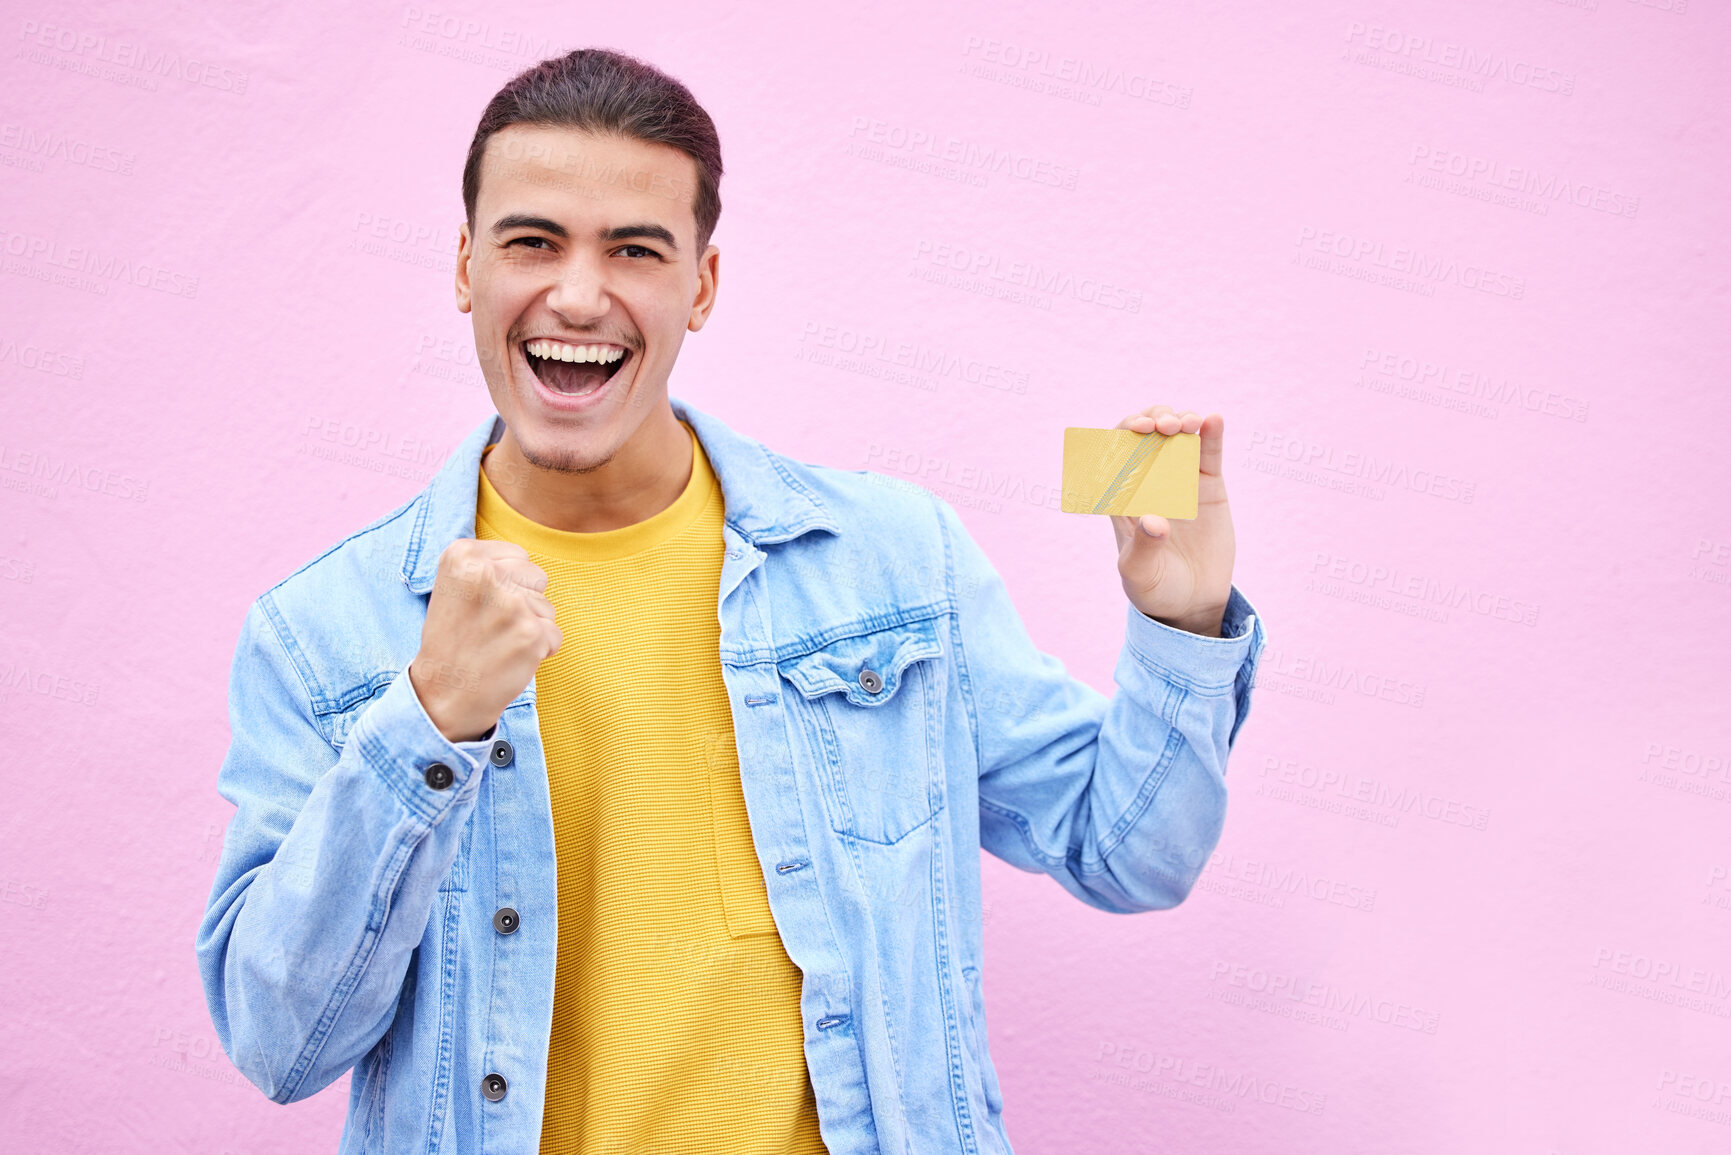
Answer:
(489, 625)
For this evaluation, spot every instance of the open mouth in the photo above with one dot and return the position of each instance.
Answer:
(572, 369)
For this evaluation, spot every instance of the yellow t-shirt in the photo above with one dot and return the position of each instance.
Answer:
(676, 1022)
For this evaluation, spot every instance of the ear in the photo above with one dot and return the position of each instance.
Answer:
(464, 250)
(708, 277)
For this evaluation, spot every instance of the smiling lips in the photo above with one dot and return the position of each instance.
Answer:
(574, 369)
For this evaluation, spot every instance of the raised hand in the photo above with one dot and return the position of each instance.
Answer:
(1176, 571)
(489, 625)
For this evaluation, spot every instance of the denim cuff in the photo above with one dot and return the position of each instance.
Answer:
(400, 742)
(1191, 660)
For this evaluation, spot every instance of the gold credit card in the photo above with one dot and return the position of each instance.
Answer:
(1120, 471)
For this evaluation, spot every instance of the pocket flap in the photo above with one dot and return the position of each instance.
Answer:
(885, 652)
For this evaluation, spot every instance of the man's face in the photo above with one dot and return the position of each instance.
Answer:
(583, 279)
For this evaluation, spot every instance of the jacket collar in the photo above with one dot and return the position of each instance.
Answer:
(765, 504)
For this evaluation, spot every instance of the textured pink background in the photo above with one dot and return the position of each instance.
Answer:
(1480, 812)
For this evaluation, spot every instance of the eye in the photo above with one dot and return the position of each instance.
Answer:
(522, 240)
(641, 249)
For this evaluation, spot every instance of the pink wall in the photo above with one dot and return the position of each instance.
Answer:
(1454, 272)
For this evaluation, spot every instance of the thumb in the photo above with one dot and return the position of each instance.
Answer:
(1153, 526)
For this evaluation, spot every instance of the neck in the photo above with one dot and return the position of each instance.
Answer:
(642, 478)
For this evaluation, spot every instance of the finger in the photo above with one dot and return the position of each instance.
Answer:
(523, 573)
(485, 549)
(1213, 444)
(468, 559)
(1152, 525)
(1190, 421)
(1144, 421)
(555, 639)
(541, 606)
(495, 550)
(1162, 419)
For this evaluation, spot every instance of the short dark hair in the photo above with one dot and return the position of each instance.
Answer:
(607, 93)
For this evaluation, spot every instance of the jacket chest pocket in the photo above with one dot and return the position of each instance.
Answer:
(868, 705)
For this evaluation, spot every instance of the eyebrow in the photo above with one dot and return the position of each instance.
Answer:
(619, 233)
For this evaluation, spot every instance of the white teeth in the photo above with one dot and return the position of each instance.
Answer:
(560, 351)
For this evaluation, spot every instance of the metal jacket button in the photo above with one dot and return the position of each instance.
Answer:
(505, 920)
(871, 681)
(439, 776)
(501, 753)
(493, 1087)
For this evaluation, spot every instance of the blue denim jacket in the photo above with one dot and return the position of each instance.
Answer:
(351, 923)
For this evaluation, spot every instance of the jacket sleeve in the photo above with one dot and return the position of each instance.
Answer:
(329, 867)
(1120, 800)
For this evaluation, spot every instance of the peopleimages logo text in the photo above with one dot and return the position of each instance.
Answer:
(1411, 261)
(1058, 283)
(90, 46)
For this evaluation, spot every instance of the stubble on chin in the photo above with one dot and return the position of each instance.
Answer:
(559, 460)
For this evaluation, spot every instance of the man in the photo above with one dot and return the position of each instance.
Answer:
(624, 791)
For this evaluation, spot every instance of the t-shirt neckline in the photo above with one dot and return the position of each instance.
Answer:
(508, 524)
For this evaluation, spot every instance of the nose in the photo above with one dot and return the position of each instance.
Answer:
(580, 293)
